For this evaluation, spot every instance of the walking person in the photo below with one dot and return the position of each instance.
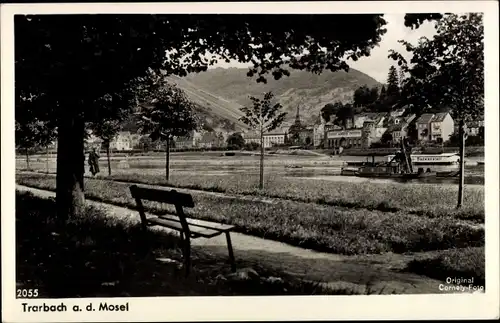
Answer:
(94, 162)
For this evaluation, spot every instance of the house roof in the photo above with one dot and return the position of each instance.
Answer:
(410, 118)
(373, 115)
(396, 127)
(425, 118)
(439, 117)
(278, 131)
(256, 135)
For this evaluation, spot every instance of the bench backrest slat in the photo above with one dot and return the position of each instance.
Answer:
(163, 196)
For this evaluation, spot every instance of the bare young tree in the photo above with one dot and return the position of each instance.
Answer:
(263, 116)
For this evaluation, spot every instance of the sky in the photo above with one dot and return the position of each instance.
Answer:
(377, 64)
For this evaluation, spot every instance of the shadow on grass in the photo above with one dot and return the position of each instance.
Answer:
(98, 256)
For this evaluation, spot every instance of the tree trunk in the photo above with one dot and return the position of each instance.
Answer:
(167, 159)
(70, 198)
(461, 134)
(27, 159)
(47, 158)
(109, 159)
(261, 179)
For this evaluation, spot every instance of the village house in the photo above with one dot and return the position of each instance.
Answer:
(121, 142)
(190, 141)
(435, 127)
(319, 131)
(135, 140)
(366, 128)
(211, 140)
(473, 128)
(442, 127)
(251, 137)
(423, 127)
(300, 134)
(273, 138)
(377, 118)
(399, 129)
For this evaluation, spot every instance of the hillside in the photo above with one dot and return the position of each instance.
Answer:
(210, 119)
(215, 106)
(231, 88)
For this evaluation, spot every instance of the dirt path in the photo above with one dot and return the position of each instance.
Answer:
(374, 273)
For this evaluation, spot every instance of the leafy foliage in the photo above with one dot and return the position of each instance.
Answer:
(365, 96)
(54, 53)
(414, 20)
(164, 109)
(33, 135)
(448, 70)
(235, 141)
(393, 82)
(263, 115)
(330, 110)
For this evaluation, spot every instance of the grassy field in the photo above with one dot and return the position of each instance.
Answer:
(464, 262)
(99, 256)
(322, 227)
(425, 200)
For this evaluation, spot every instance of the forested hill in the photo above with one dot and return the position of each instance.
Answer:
(311, 91)
(220, 93)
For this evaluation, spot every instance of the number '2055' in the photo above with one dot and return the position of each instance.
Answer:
(27, 293)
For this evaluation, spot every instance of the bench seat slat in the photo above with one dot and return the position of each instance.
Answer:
(163, 196)
(200, 223)
(203, 232)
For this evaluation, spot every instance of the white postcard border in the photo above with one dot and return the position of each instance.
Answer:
(261, 308)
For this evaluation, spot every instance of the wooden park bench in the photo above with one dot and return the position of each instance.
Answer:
(187, 227)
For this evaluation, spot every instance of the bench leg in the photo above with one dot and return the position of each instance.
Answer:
(187, 255)
(230, 250)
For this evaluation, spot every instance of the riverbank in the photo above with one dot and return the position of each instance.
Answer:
(469, 151)
(427, 200)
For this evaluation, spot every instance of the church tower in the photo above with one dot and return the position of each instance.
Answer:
(298, 124)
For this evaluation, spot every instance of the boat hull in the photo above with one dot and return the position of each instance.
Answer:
(404, 176)
(443, 159)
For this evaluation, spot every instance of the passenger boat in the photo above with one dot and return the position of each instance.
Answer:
(432, 159)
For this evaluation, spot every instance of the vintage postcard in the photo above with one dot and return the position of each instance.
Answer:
(250, 161)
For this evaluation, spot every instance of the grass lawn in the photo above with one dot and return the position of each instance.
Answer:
(426, 200)
(99, 256)
(321, 227)
(463, 263)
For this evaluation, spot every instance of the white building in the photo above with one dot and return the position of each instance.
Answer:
(122, 142)
(442, 127)
(273, 138)
(190, 141)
